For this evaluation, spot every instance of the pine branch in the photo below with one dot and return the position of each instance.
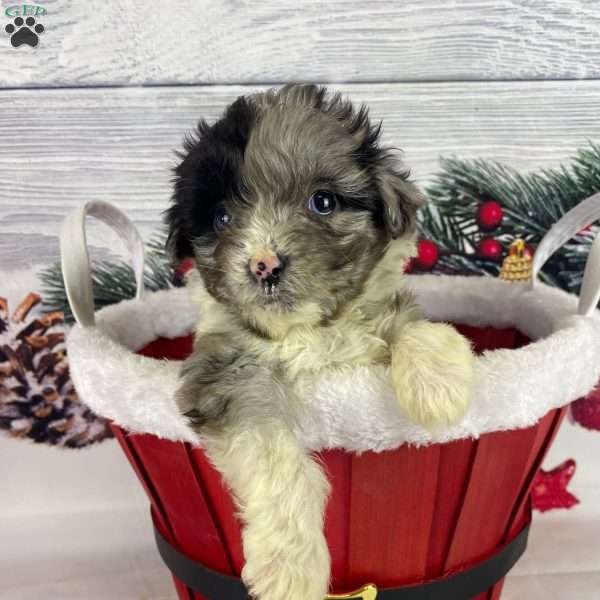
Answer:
(459, 264)
(531, 202)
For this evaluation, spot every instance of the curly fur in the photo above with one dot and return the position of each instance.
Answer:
(341, 302)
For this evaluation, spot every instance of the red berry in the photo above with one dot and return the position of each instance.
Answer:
(489, 215)
(490, 248)
(427, 254)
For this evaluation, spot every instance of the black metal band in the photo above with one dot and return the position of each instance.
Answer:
(459, 586)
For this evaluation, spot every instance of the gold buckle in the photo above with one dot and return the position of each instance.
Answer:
(366, 592)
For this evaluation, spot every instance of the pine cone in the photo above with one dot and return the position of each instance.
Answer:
(37, 398)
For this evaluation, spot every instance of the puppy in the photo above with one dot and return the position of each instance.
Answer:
(299, 223)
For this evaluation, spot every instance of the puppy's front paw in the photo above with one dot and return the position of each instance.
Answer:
(432, 371)
(296, 568)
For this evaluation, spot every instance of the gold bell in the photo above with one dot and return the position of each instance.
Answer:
(516, 266)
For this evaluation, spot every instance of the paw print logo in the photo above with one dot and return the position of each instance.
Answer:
(24, 32)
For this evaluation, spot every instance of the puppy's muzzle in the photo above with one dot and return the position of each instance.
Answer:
(267, 268)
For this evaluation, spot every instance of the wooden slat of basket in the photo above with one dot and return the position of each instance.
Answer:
(456, 460)
(493, 485)
(158, 510)
(338, 465)
(390, 509)
(495, 592)
(546, 431)
(182, 495)
(223, 508)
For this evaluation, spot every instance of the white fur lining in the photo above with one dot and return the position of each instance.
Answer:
(356, 410)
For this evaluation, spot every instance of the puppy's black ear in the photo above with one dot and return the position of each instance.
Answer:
(400, 200)
(191, 202)
(209, 171)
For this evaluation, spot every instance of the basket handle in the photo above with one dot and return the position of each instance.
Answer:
(564, 229)
(75, 258)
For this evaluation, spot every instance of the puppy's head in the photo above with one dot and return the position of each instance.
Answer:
(288, 203)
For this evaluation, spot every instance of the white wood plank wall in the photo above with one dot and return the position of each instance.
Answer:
(146, 42)
(95, 110)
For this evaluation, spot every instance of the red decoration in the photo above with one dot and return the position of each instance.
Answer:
(586, 411)
(549, 490)
(489, 215)
(183, 268)
(490, 248)
(427, 254)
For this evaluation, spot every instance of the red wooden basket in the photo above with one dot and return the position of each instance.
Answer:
(413, 519)
(395, 518)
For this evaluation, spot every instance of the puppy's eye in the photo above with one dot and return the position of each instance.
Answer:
(322, 202)
(222, 219)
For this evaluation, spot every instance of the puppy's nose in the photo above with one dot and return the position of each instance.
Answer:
(267, 267)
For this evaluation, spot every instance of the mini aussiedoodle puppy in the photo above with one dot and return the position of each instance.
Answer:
(299, 223)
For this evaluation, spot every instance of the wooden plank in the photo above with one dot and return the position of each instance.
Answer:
(158, 510)
(338, 467)
(546, 432)
(182, 496)
(496, 592)
(507, 454)
(59, 148)
(456, 460)
(219, 498)
(391, 510)
(139, 43)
